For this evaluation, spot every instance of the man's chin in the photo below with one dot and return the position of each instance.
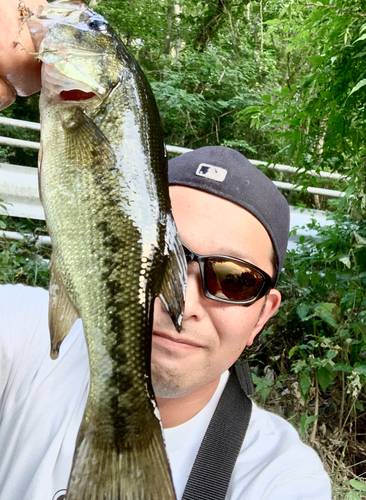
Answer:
(168, 389)
(169, 385)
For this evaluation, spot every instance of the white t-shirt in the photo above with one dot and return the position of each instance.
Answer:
(42, 402)
(273, 463)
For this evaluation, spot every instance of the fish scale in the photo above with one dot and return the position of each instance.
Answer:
(104, 189)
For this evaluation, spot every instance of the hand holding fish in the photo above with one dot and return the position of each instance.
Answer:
(20, 73)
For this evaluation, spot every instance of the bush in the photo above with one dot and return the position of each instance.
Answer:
(315, 347)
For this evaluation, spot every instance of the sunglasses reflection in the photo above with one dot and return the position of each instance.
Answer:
(228, 280)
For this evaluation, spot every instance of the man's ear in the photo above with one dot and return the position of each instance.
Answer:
(271, 303)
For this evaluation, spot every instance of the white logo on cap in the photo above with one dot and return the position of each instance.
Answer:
(211, 172)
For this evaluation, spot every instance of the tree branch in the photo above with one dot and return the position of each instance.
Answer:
(362, 14)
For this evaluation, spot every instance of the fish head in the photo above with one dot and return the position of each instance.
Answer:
(78, 51)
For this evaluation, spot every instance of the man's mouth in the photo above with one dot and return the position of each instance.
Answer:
(172, 341)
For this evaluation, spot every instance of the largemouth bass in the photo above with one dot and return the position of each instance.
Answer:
(104, 189)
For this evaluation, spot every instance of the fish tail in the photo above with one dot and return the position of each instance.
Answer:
(100, 472)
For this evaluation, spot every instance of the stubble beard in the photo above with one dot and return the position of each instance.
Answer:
(167, 385)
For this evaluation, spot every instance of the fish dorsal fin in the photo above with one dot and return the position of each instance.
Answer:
(175, 278)
(62, 313)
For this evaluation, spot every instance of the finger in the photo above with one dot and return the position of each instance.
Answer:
(7, 95)
(18, 66)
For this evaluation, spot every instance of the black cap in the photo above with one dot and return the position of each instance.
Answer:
(227, 173)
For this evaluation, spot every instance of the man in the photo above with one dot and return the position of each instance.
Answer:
(230, 213)
(42, 401)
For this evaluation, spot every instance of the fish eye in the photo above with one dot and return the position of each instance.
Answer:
(97, 25)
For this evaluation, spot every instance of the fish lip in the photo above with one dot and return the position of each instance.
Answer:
(54, 82)
(177, 340)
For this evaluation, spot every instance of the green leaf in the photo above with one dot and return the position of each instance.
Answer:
(304, 422)
(324, 377)
(360, 84)
(312, 419)
(305, 385)
(325, 311)
(359, 240)
(331, 354)
(363, 37)
(339, 367)
(358, 485)
(352, 495)
(266, 97)
(359, 406)
(361, 369)
(315, 279)
(346, 261)
(292, 351)
(302, 277)
(316, 59)
(262, 386)
(302, 311)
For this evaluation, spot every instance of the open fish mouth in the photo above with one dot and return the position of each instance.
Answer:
(76, 95)
(79, 85)
(55, 87)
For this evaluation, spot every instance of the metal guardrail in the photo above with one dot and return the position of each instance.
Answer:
(19, 188)
(19, 143)
(11, 235)
(176, 149)
(19, 123)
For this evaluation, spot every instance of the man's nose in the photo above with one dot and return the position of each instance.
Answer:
(195, 299)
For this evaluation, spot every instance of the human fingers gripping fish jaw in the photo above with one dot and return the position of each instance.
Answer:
(70, 71)
(104, 189)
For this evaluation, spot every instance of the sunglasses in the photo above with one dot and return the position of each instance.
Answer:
(230, 280)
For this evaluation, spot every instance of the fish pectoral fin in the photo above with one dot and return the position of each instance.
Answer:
(174, 283)
(62, 313)
(88, 147)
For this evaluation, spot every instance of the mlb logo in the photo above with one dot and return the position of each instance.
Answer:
(211, 172)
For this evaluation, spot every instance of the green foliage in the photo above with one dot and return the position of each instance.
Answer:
(358, 490)
(23, 109)
(24, 261)
(205, 62)
(317, 344)
(320, 115)
(264, 387)
(322, 317)
(304, 424)
(358, 485)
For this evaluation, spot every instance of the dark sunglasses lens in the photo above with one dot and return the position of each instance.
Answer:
(231, 280)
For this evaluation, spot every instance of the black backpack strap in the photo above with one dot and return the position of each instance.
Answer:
(211, 472)
(245, 377)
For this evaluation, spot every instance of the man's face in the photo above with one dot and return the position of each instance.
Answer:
(213, 333)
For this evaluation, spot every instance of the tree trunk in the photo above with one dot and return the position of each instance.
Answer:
(211, 23)
(169, 16)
